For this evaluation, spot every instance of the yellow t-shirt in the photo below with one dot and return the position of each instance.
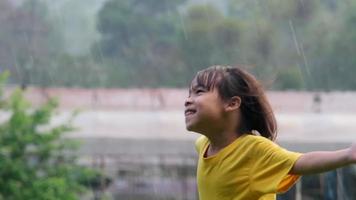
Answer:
(250, 168)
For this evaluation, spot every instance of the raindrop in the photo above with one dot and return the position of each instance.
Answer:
(181, 18)
(305, 60)
(294, 36)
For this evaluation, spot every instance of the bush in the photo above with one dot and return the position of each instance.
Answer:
(36, 162)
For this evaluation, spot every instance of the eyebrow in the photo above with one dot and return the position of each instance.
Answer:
(196, 87)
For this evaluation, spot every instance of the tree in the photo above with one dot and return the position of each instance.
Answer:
(277, 37)
(335, 68)
(36, 162)
(139, 36)
(210, 38)
(29, 42)
(5, 10)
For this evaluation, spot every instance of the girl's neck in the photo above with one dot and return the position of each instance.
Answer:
(220, 141)
(223, 134)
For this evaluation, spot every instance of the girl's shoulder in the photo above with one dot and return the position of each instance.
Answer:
(264, 147)
(251, 138)
(259, 143)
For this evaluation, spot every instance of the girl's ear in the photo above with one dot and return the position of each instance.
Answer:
(233, 103)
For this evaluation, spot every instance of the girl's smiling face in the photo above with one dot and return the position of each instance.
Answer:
(203, 109)
(226, 99)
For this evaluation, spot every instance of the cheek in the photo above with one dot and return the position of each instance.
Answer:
(211, 111)
(209, 106)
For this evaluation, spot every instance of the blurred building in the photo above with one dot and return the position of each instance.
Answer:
(138, 137)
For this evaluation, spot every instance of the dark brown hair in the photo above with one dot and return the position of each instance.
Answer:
(257, 114)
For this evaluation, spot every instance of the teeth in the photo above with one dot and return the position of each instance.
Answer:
(189, 112)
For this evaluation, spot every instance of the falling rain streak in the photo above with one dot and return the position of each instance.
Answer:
(300, 50)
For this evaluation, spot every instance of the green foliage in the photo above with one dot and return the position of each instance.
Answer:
(139, 36)
(28, 42)
(339, 60)
(156, 43)
(269, 36)
(211, 38)
(289, 78)
(36, 162)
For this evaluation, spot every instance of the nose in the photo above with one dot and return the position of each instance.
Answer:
(188, 101)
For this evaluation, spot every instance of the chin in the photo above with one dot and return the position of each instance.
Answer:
(189, 127)
(192, 128)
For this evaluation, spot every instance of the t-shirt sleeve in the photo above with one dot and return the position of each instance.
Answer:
(270, 171)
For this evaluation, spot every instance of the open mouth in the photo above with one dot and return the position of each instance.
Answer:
(189, 112)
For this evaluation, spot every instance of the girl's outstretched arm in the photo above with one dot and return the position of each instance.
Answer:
(321, 161)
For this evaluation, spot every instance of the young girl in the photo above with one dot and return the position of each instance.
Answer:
(238, 159)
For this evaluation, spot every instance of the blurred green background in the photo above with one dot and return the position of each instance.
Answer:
(296, 44)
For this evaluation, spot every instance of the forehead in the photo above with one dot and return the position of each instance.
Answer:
(205, 79)
(195, 85)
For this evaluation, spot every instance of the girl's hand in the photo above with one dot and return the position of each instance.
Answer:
(352, 153)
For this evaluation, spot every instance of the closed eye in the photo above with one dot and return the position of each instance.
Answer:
(199, 91)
